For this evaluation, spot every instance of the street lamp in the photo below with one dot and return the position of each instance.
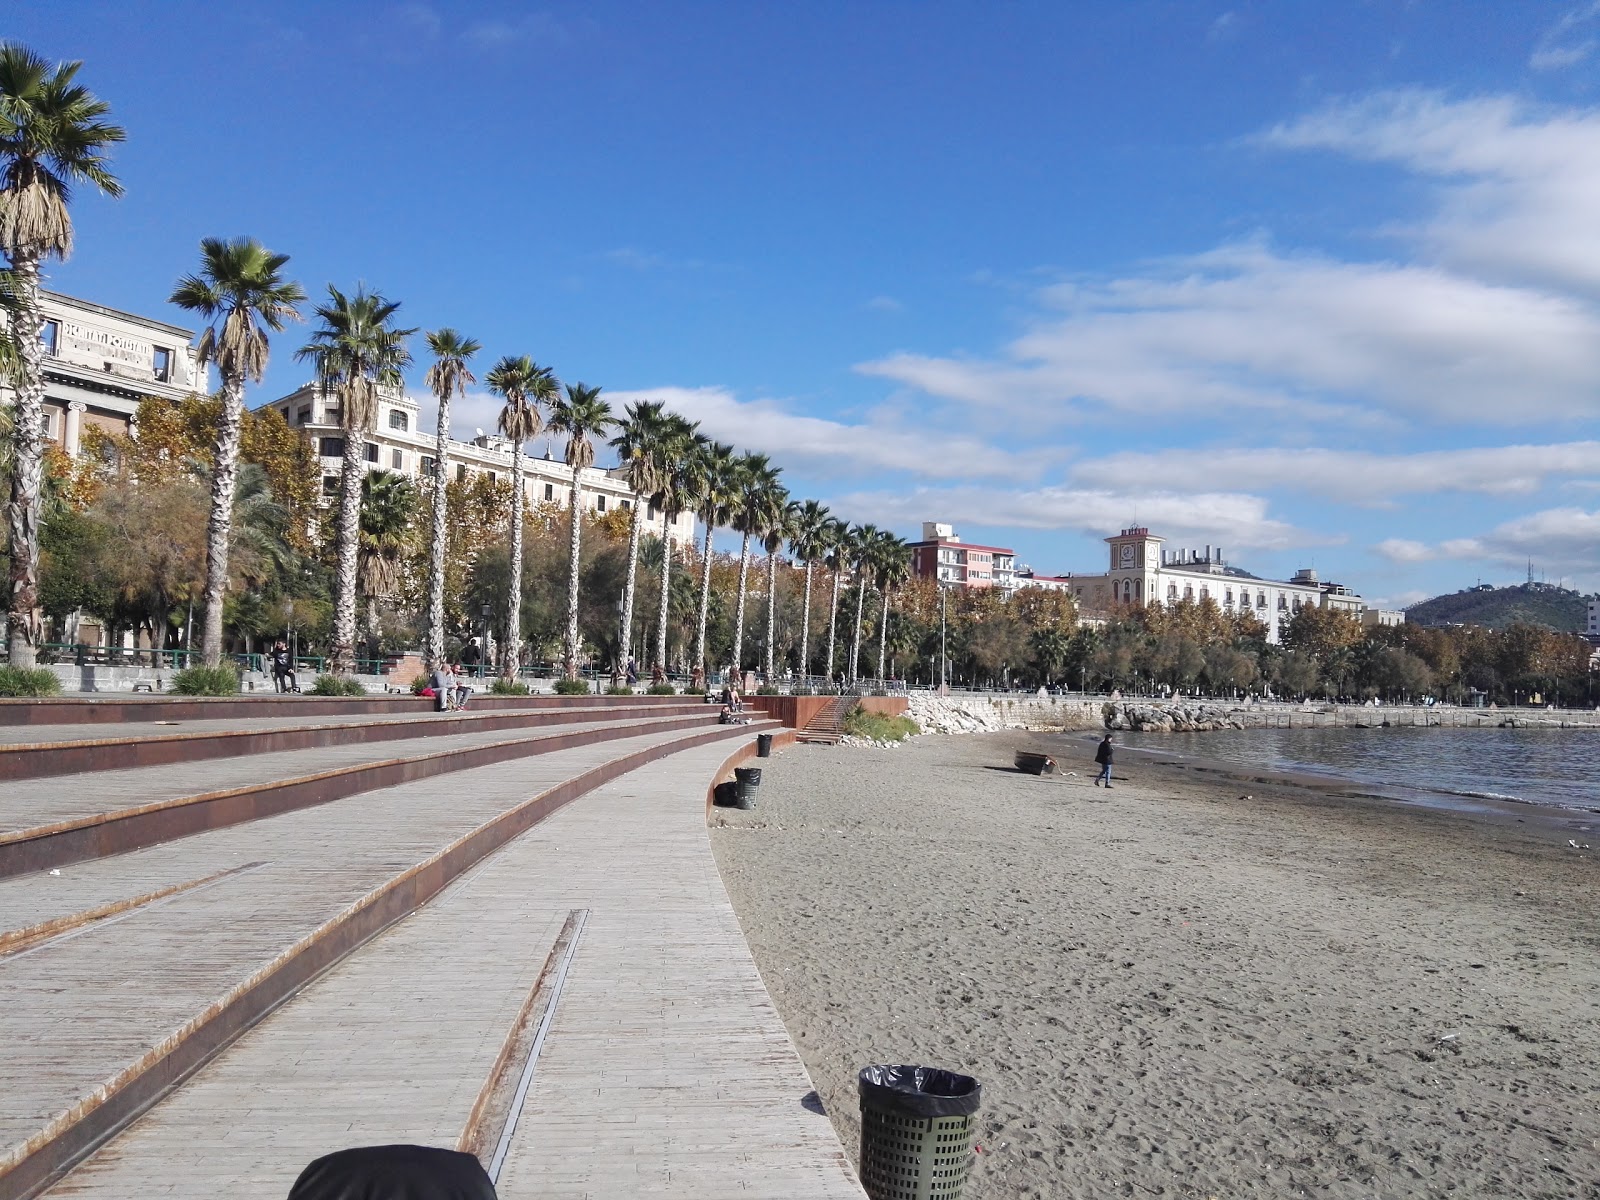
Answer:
(483, 659)
(944, 660)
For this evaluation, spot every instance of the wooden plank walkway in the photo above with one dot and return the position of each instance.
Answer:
(666, 1071)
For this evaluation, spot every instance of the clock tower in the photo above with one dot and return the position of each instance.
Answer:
(1135, 564)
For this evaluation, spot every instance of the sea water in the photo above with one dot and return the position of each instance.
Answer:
(1552, 768)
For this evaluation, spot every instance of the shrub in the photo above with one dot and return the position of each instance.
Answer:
(769, 690)
(420, 684)
(508, 687)
(661, 689)
(23, 681)
(624, 690)
(858, 722)
(572, 687)
(333, 685)
(220, 680)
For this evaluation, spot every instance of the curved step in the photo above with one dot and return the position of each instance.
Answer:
(119, 830)
(59, 1012)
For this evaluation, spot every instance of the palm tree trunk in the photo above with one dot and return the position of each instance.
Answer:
(805, 628)
(738, 624)
(855, 634)
(433, 650)
(27, 467)
(511, 653)
(576, 522)
(219, 528)
(833, 624)
(883, 633)
(705, 601)
(341, 655)
(625, 630)
(772, 610)
(661, 628)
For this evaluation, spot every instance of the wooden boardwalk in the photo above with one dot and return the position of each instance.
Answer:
(665, 1070)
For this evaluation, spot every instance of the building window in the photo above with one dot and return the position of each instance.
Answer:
(430, 466)
(330, 484)
(1188, 592)
(397, 459)
(493, 477)
(372, 452)
(161, 365)
(301, 417)
(1283, 604)
(461, 472)
(600, 503)
(549, 492)
(50, 335)
(332, 447)
(398, 420)
(1172, 591)
(651, 513)
(1227, 598)
(1261, 599)
(626, 503)
(47, 420)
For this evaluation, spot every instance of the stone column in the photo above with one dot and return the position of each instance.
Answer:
(72, 431)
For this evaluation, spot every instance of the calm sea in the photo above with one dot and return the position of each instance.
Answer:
(1554, 768)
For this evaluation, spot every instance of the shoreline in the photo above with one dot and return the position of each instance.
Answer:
(1172, 989)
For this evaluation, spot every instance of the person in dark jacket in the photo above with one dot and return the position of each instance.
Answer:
(1102, 755)
(282, 668)
(471, 656)
(394, 1173)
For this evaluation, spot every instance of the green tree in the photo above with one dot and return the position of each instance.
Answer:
(675, 494)
(809, 542)
(523, 384)
(838, 546)
(53, 136)
(581, 415)
(779, 526)
(714, 483)
(638, 444)
(448, 377)
(891, 566)
(240, 290)
(388, 530)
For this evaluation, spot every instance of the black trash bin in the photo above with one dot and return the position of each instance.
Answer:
(763, 745)
(746, 780)
(917, 1126)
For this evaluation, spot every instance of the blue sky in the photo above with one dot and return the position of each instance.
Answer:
(1315, 282)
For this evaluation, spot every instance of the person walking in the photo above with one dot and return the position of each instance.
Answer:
(1102, 755)
(471, 656)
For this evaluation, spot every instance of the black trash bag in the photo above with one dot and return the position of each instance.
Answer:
(920, 1091)
(725, 795)
(394, 1173)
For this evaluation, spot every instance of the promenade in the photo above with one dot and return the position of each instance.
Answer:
(533, 959)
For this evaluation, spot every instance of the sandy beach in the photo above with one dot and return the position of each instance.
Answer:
(1194, 985)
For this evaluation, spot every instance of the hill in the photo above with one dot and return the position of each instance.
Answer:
(1530, 603)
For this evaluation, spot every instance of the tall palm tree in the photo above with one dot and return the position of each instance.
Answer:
(523, 384)
(582, 416)
(836, 551)
(782, 518)
(676, 489)
(714, 479)
(638, 447)
(241, 291)
(53, 135)
(863, 549)
(388, 529)
(448, 377)
(892, 566)
(807, 543)
(356, 351)
(754, 494)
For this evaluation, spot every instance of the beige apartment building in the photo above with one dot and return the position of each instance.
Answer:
(400, 444)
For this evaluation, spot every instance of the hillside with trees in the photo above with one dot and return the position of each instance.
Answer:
(1499, 608)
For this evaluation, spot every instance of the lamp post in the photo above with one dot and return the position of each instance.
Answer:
(944, 660)
(483, 659)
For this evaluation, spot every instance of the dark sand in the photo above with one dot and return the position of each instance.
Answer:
(1172, 990)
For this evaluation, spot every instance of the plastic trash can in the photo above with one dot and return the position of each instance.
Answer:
(917, 1126)
(746, 781)
(763, 745)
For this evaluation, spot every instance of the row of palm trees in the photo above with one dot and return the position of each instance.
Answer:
(54, 134)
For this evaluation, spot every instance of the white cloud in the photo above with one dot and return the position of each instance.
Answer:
(540, 27)
(1561, 542)
(1357, 476)
(1569, 41)
(1218, 517)
(829, 448)
(885, 304)
(1403, 550)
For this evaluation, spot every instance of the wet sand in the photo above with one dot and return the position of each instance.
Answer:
(1171, 989)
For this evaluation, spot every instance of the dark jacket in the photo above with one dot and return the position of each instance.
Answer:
(394, 1173)
(282, 663)
(1102, 754)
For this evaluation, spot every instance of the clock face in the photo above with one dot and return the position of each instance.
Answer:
(1127, 556)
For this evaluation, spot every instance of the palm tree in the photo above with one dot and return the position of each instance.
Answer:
(808, 542)
(582, 416)
(713, 473)
(782, 516)
(53, 134)
(676, 490)
(836, 545)
(892, 566)
(862, 550)
(356, 352)
(638, 447)
(241, 291)
(755, 488)
(388, 517)
(523, 384)
(448, 377)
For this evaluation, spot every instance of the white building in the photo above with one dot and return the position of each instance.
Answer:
(1593, 627)
(99, 363)
(1141, 571)
(399, 444)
